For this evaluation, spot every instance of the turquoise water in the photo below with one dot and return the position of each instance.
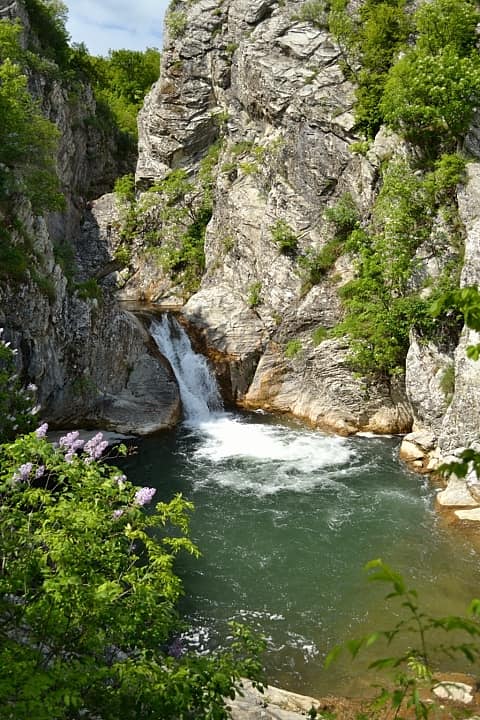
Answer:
(285, 519)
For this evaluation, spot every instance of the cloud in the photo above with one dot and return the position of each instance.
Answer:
(113, 24)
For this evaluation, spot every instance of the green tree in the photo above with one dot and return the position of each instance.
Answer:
(442, 23)
(122, 80)
(48, 22)
(381, 30)
(431, 99)
(132, 73)
(28, 143)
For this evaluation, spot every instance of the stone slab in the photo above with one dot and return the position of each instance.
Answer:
(471, 515)
(456, 494)
(454, 691)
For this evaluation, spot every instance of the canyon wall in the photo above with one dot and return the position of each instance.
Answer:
(92, 362)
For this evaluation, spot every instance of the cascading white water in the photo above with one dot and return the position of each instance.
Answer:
(197, 384)
(300, 456)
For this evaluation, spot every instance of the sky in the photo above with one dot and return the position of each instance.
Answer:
(112, 24)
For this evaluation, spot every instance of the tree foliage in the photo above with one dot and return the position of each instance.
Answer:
(121, 81)
(380, 304)
(28, 140)
(431, 99)
(427, 91)
(413, 670)
(370, 40)
(88, 594)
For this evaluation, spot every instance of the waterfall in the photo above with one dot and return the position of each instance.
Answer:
(197, 384)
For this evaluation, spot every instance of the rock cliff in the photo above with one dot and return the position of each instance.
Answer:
(92, 362)
(254, 116)
(271, 88)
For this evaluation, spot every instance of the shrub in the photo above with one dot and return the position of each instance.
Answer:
(319, 335)
(123, 255)
(431, 98)
(45, 285)
(254, 295)
(449, 171)
(48, 20)
(176, 22)
(412, 669)
(242, 147)
(65, 258)
(343, 216)
(284, 237)
(88, 594)
(293, 348)
(28, 141)
(446, 22)
(89, 290)
(249, 168)
(17, 404)
(315, 265)
(372, 40)
(14, 261)
(447, 381)
(314, 12)
(185, 211)
(124, 188)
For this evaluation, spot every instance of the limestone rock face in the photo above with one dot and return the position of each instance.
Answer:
(93, 363)
(317, 385)
(462, 420)
(426, 366)
(231, 334)
(271, 89)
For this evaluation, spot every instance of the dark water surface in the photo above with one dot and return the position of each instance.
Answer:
(285, 518)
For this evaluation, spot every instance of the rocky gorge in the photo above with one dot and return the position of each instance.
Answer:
(253, 108)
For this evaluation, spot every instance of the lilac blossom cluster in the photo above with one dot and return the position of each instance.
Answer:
(144, 496)
(71, 442)
(95, 447)
(23, 472)
(41, 431)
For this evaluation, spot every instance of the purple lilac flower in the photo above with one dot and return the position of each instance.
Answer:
(95, 447)
(121, 479)
(144, 496)
(41, 431)
(39, 472)
(117, 513)
(71, 442)
(23, 472)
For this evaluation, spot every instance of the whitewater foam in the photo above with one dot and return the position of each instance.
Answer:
(266, 459)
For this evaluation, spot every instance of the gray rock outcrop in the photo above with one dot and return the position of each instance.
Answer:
(270, 87)
(461, 425)
(93, 363)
